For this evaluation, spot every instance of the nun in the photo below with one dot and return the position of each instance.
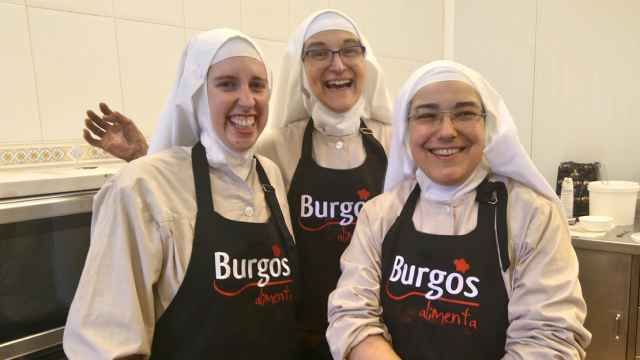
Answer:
(467, 254)
(332, 126)
(191, 252)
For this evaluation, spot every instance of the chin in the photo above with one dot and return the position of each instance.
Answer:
(341, 107)
(447, 179)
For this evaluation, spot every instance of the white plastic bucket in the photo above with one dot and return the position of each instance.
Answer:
(614, 198)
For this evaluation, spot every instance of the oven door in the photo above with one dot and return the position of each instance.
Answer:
(43, 246)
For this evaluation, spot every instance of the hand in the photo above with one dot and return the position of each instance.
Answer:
(114, 133)
(373, 347)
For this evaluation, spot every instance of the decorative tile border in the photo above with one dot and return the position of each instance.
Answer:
(40, 154)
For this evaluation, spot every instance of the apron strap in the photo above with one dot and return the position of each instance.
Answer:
(272, 201)
(494, 194)
(307, 141)
(410, 204)
(201, 178)
(369, 140)
(276, 212)
(367, 136)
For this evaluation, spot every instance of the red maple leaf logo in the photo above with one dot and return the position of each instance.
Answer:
(461, 265)
(275, 248)
(363, 194)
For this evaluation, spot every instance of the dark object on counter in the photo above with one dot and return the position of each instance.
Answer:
(581, 174)
(623, 233)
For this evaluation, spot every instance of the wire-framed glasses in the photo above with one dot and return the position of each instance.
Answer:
(434, 118)
(322, 55)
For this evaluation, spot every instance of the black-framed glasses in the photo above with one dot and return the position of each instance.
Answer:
(459, 118)
(346, 53)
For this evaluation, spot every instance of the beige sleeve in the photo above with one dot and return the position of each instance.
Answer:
(546, 308)
(112, 314)
(354, 308)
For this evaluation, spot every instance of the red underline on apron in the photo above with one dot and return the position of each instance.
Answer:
(245, 287)
(422, 294)
(306, 228)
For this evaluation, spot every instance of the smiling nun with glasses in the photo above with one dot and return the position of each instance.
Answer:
(467, 254)
(332, 125)
(191, 252)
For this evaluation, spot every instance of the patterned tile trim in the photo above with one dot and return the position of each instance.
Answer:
(40, 154)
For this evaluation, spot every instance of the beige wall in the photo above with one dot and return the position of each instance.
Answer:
(61, 57)
(568, 71)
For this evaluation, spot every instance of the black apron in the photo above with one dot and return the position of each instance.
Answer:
(324, 203)
(237, 298)
(443, 296)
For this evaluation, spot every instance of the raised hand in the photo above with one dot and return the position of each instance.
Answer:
(114, 133)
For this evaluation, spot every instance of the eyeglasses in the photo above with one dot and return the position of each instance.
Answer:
(321, 55)
(459, 118)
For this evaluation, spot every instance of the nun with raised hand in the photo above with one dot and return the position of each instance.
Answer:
(191, 252)
(332, 125)
(467, 254)
(329, 138)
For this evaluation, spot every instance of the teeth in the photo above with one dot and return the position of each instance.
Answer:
(446, 152)
(242, 121)
(338, 83)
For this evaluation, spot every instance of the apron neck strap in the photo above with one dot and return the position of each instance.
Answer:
(494, 194)
(367, 135)
(201, 178)
(272, 202)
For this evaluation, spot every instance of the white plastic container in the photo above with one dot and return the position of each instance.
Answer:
(614, 198)
(566, 196)
(596, 223)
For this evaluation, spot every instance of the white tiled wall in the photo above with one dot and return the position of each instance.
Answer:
(148, 54)
(586, 86)
(266, 19)
(299, 10)
(568, 71)
(96, 7)
(204, 14)
(67, 55)
(75, 62)
(502, 48)
(401, 29)
(19, 100)
(170, 12)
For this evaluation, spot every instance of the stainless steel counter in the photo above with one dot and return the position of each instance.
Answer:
(617, 240)
(609, 275)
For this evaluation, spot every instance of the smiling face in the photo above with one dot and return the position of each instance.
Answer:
(445, 151)
(238, 93)
(337, 82)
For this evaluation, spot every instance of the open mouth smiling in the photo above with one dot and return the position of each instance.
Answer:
(338, 84)
(243, 121)
(447, 152)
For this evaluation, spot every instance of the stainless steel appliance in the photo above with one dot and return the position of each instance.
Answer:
(43, 244)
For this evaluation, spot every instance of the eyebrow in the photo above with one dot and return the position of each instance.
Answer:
(322, 43)
(435, 106)
(224, 77)
(259, 78)
(231, 77)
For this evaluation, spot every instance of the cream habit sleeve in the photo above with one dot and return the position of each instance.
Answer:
(546, 307)
(112, 314)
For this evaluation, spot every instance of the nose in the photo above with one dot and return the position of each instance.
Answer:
(246, 97)
(336, 63)
(447, 129)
